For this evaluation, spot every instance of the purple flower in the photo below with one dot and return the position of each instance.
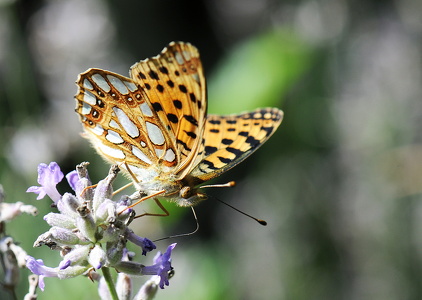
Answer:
(144, 243)
(72, 179)
(48, 177)
(38, 268)
(64, 270)
(161, 267)
(91, 229)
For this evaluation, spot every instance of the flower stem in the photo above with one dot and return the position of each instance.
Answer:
(110, 284)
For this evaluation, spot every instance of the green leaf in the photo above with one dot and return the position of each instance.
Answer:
(258, 72)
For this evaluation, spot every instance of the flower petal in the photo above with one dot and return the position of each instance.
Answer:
(72, 179)
(162, 266)
(48, 177)
(144, 243)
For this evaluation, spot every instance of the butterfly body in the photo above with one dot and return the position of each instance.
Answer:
(155, 124)
(181, 192)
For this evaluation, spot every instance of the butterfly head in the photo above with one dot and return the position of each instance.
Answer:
(181, 192)
(187, 196)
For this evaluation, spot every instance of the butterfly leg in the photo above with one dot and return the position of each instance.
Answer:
(142, 200)
(165, 211)
(87, 188)
(122, 188)
(131, 173)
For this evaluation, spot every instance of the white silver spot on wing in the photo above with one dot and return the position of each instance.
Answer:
(141, 155)
(114, 137)
(179, 58)
(195, 77)
(186, 54)
(86, 108)
(101, 82)
(145, 109)
(170, 155)
(143, 144)
(132, 87)
(88, 84)
(90, 98)
(118, 84)
(98, 129)
(113, 152)
(159, 152)
(155, 134)
(113, 124)
(127, 124)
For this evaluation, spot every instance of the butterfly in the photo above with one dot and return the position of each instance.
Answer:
(154, 124)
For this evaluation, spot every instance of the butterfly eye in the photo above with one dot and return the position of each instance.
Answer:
(185, 192)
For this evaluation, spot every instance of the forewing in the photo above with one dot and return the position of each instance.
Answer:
(175, 85)
(228, 140)
(120, 122)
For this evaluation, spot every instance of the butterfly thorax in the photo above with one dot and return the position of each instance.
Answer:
(186, 197)
(182, 192)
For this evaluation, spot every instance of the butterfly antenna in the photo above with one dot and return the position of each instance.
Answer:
(183, 234)
(232, 184)
(260, 221)
(222, 185)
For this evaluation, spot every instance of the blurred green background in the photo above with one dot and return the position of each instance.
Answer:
(339, 183)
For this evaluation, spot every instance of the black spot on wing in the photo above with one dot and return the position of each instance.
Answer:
(95, 114)
(157, 106)
(184, 145)
(183, 88)
(153, 75)
(210, 150)
(172, 118)
(224, 160)
(269, 130)
(163, 70)
(100, 93)
(160, 88)
(209, 165)
(192, 97)
(170, 83)
(191, 134)
(100, 103)
(191, 120)
(252, 141)
(177, 104)
(235, 151)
